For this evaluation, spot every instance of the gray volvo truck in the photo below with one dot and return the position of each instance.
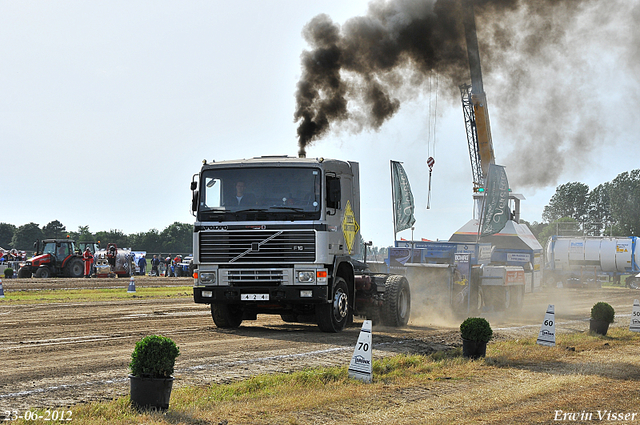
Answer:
(280, 235)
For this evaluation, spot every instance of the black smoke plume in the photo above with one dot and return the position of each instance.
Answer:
(533, 52)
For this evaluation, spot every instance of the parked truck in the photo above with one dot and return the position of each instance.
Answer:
(571, 260)
(281, 235)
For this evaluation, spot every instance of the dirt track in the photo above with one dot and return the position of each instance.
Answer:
(54, 355)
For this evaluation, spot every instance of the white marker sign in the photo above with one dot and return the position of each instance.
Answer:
(361, 366)
(634, 326)
(132, 286)
(547, 335)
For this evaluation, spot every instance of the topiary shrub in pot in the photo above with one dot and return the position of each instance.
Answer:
(151, 368)
(602, 314)
(475, 332)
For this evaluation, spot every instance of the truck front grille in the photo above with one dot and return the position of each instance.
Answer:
(257, 246)
(254, 277)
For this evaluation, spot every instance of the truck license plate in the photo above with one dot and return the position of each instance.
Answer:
(254, 297)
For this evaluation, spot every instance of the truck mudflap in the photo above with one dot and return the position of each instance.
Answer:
(294, 294)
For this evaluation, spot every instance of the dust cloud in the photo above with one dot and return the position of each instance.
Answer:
(435, 304)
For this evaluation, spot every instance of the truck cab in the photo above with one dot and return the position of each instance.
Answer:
(280, 235)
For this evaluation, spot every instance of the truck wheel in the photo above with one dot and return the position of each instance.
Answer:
(333, 316)
(74, 268)
(43, 272)
(396, 307)
(226, 316)
(24, 272)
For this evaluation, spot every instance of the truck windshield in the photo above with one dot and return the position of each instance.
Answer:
(260, 193)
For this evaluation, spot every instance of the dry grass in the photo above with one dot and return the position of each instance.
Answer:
(518, 382)
(93, 294)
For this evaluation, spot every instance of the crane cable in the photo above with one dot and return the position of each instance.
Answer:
(432, 124)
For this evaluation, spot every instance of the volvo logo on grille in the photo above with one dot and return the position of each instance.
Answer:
(214, 227)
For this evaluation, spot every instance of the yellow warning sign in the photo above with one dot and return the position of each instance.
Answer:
(349, 227)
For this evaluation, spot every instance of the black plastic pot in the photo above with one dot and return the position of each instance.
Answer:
(150, 393)
(473, 349)
(599, 326)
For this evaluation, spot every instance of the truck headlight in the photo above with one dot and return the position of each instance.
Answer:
(207, 278)
(306, 276)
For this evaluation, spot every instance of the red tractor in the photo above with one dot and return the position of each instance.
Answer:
(53, 257)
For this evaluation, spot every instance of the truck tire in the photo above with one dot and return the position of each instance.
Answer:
(43, 272)
(226, 316)
(396, 307)
(75, 268)
(24, 272)
(333, 316)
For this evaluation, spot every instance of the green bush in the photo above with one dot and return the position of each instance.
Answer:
(8, 273)
(602, 311)
(476, 329)
(154, 357)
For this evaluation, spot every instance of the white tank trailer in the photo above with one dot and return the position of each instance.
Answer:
(587, 257)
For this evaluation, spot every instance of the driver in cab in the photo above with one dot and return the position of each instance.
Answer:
(243, 199)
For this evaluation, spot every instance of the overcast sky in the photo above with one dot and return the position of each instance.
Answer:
(109, 107)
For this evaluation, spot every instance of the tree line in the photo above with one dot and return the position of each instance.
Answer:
(175, 238)
(609, 209)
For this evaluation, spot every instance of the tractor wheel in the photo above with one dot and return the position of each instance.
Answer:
(226, 315)
(24, 272)
(333, 316)
(43, 272)
(396, 307)
(75, 268)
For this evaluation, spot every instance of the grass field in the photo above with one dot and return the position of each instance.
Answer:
(93, 295)
(583, 379)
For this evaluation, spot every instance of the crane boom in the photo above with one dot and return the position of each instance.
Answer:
(474, 105)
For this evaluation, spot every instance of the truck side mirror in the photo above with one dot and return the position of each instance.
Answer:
(194, 185)
(194, 201)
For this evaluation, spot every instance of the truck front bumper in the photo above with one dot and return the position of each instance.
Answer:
(289, 294)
